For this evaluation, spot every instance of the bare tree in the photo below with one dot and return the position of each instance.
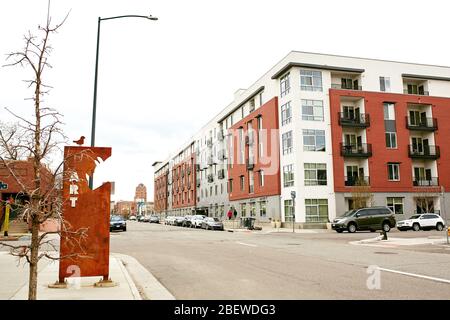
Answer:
(361, 194)
(38, 139)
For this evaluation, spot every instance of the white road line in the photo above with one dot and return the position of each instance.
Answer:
(247, 244)
(416, 275)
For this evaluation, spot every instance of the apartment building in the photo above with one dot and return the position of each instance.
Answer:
(339, 132)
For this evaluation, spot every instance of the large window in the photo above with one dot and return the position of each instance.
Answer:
(286, 113)
(242, 183)
(316, 210)
(261, 178)
(312, 110)
(389, 111)
(315, 174)
(395, 204)
(243, 209)
(393, 171)
(391, 140)
(285, 85)
(311, 80)
(288, 210)
(287, 142)
(262, 208)
(251, 182)
(288, 175)
(313, 140)
(385, 84)
(252, 209)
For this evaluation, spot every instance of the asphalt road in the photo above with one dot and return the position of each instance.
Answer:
(200, 264)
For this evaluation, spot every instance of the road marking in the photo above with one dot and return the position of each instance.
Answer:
(247, 244)
(416, 275)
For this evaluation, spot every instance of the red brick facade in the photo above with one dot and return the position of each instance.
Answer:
(272, 186)
(183, 183)
(375, 133)
(161, 191)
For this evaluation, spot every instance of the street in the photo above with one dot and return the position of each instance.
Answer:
(200, 264)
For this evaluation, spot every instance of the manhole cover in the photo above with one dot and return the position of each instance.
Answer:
(384, 252)
(294, 244)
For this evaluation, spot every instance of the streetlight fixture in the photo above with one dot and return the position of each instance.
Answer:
(94, 108)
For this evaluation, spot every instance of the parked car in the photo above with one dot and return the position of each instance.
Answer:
(117, 223)
(212, 223)
(146, 218)
(187, 221)
(424, 221)
(373, 218)
(140, 218)
(196, 221)
(154, 219)
(169, 220)
(178, 220)
(132, 218)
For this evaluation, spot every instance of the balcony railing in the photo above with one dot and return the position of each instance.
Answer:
(420, 93)
(362, 120)
(250, 163)
(422, 124)
(362, 150)
(426, 182)
(424, 152)
(357, 181)
(345, 87)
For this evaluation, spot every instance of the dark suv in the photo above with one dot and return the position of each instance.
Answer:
(373, 218)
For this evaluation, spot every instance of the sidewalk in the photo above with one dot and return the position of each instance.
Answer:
(393, 242)
(124, 270)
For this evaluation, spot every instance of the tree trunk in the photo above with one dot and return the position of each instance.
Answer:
(32, 286)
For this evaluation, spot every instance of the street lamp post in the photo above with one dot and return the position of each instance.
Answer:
(94, 107)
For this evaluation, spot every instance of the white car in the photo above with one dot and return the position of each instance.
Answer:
(196, 221)
(132, 218)
(422, 221)
(169, 220)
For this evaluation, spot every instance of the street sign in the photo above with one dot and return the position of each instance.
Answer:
(3, 186)
(293, 194)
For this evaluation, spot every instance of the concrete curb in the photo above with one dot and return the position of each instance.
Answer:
(131, 284)
(149, 287)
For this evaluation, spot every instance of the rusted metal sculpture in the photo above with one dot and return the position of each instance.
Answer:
(88, 209)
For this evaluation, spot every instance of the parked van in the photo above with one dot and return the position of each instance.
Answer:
(373, 218)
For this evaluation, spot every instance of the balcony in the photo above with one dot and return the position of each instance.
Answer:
(342, 86)
(356, 181)
(418, 92)
(210, 177)
(250, 163)
(424, 152)
(356, 121)
(426, 182)
(422, 124)
(363, 150)
(221, 174)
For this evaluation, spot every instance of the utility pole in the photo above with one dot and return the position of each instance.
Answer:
(444, 213)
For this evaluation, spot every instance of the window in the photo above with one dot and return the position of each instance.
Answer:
(288, 210)
(312, 110)
(262, 208)
(315, 174)
(230, 186)
(261, 178)
(260, 99)
(251, 182)
(221, 188)
(385, 84)
(391, 140)
(215, 190)
(316, 210)
(242, 183)
(288, 175)
(313, 140)
(287, 142)
(251, 105)
(285, 85)
(393, 171)
(310, 80)
(395, 204)
(260, 137)
(389, 112)
(241, 145)
(286, 113)
(252, 209)
(243, 210)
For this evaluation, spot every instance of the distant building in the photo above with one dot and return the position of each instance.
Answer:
(125, 208)
(141, 193)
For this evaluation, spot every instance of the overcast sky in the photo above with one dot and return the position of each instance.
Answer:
(161, 81)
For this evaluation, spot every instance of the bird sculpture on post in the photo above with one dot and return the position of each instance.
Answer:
(80, 141)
